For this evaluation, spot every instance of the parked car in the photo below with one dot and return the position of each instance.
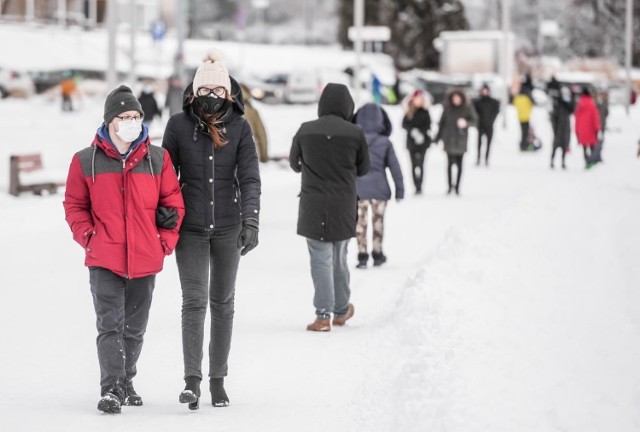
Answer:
(45, 80)
(303, 86)
(269, 89)
(14, 83)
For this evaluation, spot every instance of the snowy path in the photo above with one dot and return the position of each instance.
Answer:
(513, 308)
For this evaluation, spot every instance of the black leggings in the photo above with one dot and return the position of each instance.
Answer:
(588, 154)
(524, 138)
(489, 134)
(457, 161)
(417, 167)
(553, 154)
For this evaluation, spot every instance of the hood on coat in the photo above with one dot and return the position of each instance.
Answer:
(237, 107)
(460, 93)
(373, 119)
(336, 100)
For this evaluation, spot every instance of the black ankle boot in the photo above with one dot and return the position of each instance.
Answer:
(112, 399)
(378, 259)
(219, 397)
(362, 260)
(131, 397)
(191, 392)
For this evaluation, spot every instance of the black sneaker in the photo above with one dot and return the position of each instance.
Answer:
(191, 393)
(219, 397)
(131, 398)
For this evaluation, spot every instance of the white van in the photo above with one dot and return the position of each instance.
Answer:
(303, 86)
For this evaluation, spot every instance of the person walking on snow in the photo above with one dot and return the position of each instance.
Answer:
(373, 188)
(457, 117)
(330, 153)
(487, 109)
(124, 207)
(587, 126)
(149, 104)
(212, 149)
(524, 106)
(561, 123)
(417, 123)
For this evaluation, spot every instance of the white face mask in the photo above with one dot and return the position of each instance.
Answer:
(128, 132)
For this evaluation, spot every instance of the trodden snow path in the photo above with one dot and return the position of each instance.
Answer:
(512, 308)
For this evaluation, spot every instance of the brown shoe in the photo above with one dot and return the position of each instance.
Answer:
(319, 325)
(342, 319)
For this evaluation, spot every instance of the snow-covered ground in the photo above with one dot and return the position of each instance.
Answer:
(512, 308)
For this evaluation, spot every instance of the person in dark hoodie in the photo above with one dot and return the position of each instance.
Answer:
(149, 104)
(373, 188)
(487, 109)
(213, 152)
(330, 152)
(124, 207)
(457, 117)
(417, 123)
(561, 123)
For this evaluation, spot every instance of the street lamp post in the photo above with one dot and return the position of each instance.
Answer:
(628, 47)
(358, 23)
(506, 18)
(111, 24)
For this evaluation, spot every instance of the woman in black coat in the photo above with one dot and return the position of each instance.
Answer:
(212, 149)
(417, 122)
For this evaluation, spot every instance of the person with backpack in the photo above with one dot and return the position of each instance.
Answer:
(373, 188)
(124, 207)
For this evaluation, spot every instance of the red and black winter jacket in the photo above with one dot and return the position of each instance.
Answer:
(110, 206)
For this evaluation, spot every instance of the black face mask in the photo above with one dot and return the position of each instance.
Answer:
(212, 105)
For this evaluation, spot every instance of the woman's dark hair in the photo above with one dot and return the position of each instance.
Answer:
(586, 91)
(459, 92)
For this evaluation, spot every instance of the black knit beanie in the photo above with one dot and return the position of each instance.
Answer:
(120, 100)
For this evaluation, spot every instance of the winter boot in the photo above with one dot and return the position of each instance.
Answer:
(131, 398)
(340, 320)
(378, 258)
(219, 397)
(191, 392)
(362, 260)
(112, 399)
(320, 325)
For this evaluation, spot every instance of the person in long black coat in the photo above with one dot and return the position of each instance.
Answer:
(149, 104)
(487, 109)
(417, 122)
(330, 153)
(561, 123)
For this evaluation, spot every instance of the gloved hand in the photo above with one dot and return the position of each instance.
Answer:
(248, 238)
(166, 218)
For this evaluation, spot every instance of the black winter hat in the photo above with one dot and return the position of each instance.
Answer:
(120, 100)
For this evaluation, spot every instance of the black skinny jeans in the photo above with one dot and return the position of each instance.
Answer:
(488, 133)
(457, 161)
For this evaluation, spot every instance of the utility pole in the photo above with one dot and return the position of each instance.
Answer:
(358, 23)
(112, 77)
(506, 19)
(180, 29)
(627, 53)
(132, 36)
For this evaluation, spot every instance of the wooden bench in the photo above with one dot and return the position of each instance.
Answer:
(28, 163)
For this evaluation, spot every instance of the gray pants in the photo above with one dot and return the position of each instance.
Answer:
(208, 264)
(122, 312)
(330, 276)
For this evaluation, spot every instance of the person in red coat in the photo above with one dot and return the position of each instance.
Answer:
(124, 207)
(587, 124)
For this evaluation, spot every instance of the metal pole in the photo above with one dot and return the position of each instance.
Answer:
(180, 29)
(30, 10)
(62, 12)
(93, 13)
(627, 54)
(358, 22)
(112, 77)
(132, 36)
(506, 18)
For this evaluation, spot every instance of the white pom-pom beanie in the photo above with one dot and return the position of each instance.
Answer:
(212, 72)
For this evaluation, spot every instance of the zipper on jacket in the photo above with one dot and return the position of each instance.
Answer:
(124, 206)
(213, 186)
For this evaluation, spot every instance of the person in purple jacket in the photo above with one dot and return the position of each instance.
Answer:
(373, 188)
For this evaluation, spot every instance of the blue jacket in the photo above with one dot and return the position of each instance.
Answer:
(377, 128)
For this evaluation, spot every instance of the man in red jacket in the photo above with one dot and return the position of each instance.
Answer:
(587, 126)
(124, 206)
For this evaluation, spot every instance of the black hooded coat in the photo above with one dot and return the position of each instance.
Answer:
(331, 153)
(220, 187)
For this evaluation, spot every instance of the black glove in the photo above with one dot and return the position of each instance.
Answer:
(166, 218)
(248, 238)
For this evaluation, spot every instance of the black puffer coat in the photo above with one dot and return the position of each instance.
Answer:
(222, 187)
(331, 153)
(421, 120)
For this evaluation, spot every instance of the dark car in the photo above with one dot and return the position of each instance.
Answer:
(45, 80)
